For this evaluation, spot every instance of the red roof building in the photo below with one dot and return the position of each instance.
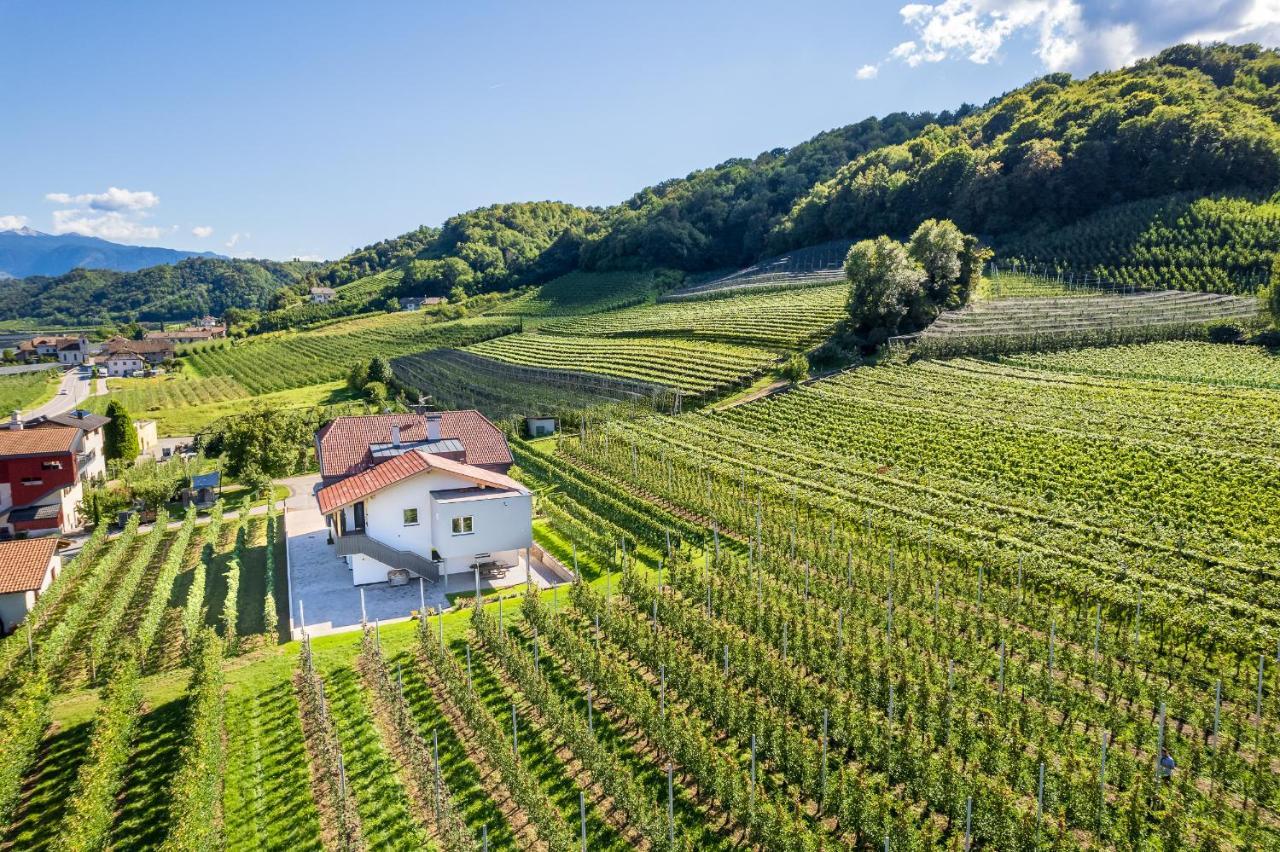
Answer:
(347, 446)
(27, 568)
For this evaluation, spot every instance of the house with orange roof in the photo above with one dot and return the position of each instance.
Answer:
(27, 569)
(418, 502)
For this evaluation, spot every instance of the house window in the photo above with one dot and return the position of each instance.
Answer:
(51, 465)
(32, 480)
(463, 525)
(410, 517)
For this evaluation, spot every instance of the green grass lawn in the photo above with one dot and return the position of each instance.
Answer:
(27, 390)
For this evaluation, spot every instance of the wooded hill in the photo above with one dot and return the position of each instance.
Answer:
(1039, 173)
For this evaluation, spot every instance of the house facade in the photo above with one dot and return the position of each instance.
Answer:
(152, 351)
(124, 363)
(422, 494)
(91, 460)
(67, 350)
(428, 516)
(27, 569)
(40, 483)
(322, 295)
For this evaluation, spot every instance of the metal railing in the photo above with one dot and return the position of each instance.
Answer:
(420, 566)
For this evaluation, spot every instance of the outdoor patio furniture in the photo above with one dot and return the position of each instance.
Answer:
(398, 577)
(492, 570)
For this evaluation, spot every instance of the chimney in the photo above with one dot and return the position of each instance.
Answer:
(433, 427)
(15, 419)
(395, 436)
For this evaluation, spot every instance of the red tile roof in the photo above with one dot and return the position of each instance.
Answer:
(360, 486)
(31, 442)
(23, 563)
(344, 442)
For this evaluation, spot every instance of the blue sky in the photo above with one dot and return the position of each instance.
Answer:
(292, 129)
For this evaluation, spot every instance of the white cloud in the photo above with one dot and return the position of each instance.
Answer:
(235, 239)
(114, 199)
(1077, 35)
(201, 231)
(108, 226)
(867, 72)
(12, 223)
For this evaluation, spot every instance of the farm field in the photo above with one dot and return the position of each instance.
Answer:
(692, 367)
(286, 360)
(160, 393)
(798, 617)
(807, 267)
(501, 391)
(26, 390)
(370, 285)
(580, 293)
(778, 320)
(996, 326)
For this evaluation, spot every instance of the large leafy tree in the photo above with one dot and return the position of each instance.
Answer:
(264, 442)
(119, 439)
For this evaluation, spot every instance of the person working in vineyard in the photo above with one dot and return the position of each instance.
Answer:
(1167, 766)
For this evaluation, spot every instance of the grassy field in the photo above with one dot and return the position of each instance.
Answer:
(27, 390)
(192, 419)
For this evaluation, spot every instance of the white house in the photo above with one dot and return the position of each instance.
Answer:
(124, 363)
(322, 295)
(91, 462)
(27, 568)
(73, 351)
(537, 427)
(422, 513)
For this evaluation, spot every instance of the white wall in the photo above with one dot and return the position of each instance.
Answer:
(501, 525)
(14, 607)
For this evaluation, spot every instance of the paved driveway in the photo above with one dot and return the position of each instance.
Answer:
(320, 591)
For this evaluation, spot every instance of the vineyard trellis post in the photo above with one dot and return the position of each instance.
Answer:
(822, 788)
(515, 735)
(1102, 782)
(422, 594)
(484, 838)
(582, 818)
(968, 824)
(591, 725)
(364, 618)
(1160, 737)
(671, 806)
(435, 748)
(1040, 801)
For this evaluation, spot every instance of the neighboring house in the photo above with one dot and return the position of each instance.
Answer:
(152, 351)
(40, 483)
(433, 300)
(410, 303)
(424, 514)
(346, 446)
(147, 436)
(91, 460)
(27, 569)
(209, 322)
(188, 335)
(536, 427)
(124, 362)
(322, 295)
(68, 350)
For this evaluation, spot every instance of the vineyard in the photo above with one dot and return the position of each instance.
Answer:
(371, 286)
(781, 320)
(692, 367)
(454, 379)
(1221, 245)
(166, 392)
(285, 360)
(995, 326)
(940, 605)
(581, 293)
(807, 267)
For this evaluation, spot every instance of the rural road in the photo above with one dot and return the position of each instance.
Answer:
(75, 388)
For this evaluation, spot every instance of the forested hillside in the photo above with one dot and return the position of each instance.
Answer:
(1200, 121)
(178, 291)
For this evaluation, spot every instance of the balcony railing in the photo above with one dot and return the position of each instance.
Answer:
(353, 543)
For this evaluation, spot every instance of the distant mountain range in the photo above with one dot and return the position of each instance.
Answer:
(26, 252)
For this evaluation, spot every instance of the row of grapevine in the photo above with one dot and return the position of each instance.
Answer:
(193, 612)
(108, 620)
(196, 822)
(91, 812)
(488, 736)
(638, 808)
(157, 600)
(420, 763)
(325, 750)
